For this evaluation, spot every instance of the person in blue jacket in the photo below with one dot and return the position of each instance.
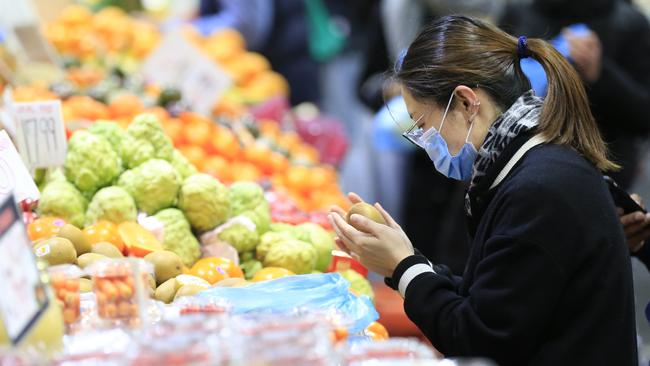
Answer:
(610, 50)
(548, 280)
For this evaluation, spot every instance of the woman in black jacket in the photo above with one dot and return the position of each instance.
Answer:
(548, 280)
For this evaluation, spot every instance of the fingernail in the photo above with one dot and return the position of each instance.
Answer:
(355, 218)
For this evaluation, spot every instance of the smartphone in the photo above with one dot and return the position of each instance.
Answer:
(621, 198)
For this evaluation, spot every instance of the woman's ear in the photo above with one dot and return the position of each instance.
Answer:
(468, 98)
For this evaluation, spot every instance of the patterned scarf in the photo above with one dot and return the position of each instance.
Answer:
(522, 116)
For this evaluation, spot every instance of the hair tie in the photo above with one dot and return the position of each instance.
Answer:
(522, 48)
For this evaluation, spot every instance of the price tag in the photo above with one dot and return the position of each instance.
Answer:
(14, 176)
(177, 63)
(24, 296)
(41, 133)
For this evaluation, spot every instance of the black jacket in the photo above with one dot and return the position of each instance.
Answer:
(548, 281)
(621, 97)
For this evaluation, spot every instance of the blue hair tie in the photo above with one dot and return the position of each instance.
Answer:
(522, 48)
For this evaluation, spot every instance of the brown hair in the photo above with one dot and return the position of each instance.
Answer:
(457, 50)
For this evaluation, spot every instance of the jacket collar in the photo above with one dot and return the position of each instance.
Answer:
(479, 196)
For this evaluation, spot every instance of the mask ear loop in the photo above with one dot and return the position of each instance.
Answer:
(444, 116)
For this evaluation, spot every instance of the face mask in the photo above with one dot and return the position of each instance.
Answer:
(457, 167)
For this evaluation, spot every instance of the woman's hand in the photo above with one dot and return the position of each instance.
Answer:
(380, 248)
(636, 226)
(586, 53)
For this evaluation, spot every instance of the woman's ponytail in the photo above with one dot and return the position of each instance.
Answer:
(566, 116)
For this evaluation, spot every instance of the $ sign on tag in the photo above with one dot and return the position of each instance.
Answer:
(41, 133)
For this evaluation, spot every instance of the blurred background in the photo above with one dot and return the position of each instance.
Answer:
(336, 57)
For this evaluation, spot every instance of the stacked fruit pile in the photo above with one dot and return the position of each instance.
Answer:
(230, 151)
(92, 44)
(107, 36)
(116, 182)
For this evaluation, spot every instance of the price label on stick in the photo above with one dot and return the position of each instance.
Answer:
(14, 176)
(41, 133)
(178, 63)
(24, 298)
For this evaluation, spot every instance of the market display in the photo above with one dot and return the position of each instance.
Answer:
(169, 237)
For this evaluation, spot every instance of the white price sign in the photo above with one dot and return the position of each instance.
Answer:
(41, 133)
(177, 63)
(24, 297)
(14, 176)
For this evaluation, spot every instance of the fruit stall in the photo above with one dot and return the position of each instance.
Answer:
(161, 232)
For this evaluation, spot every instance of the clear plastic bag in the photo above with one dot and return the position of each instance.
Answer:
(326, 292)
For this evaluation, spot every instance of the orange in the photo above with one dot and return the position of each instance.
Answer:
(44, 227)
(217, 166)
(224, 45)
(244, 171)
(198, 132)
(259, 155)
(246, 66)
(138, 240)
(340, 334)
(225, 143)
(215, 269)
(289, 140)
(174, 129)
(271, 273)
(161, 113)
(305, 152)
(297, 178)
(264, 85)
(84, 77)
(270, 128)
(278, 162)
(226, 264)
(377, 332)
(195, 154)
(228, 108)
(196, 128)
(318, 177)
(125, 105)
(104, 231)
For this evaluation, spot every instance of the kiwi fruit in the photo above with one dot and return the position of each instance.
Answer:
(77, 237)
(167, 290)
(56, 250)
(188, 290)
(367, 210)
(106, 249)
(166, 265)
(87, 259)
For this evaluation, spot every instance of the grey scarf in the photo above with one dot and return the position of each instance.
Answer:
(522, 116)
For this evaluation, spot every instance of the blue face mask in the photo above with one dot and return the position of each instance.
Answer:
(458, 166)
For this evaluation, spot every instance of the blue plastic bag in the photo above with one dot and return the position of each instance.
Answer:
(317, 292)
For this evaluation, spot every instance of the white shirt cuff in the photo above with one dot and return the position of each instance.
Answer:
(410, 274)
